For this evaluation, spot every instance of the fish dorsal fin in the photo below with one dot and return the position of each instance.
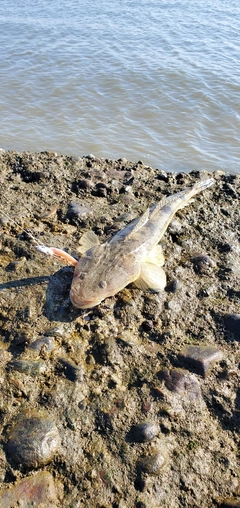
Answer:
(139, 223)
(131, 228)
(88, 240)
(152, 277)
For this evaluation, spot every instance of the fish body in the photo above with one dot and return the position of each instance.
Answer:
(132, 255)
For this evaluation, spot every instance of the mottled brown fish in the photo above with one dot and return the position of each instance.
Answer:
(132, 255)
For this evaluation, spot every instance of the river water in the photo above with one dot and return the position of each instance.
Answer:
(150, 80)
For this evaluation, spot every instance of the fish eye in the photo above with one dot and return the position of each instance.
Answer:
(82, 276)
(102, 284)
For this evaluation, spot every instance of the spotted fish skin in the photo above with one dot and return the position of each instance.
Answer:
(132, 255)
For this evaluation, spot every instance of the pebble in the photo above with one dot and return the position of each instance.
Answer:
(218, 173)
(38, 490)
(151, 464)
(30, 367)
(84, 184)
(33, 439)
(162, 175)
(232, 323)
(123, 160)
(180, 381)
(201, 358)
(143, 432)
(71, 370)
(173, 286)
(77, 210)
(101, 190)
(202, 264)
(46, 343)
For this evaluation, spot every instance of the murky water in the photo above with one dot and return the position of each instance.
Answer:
(156, 80)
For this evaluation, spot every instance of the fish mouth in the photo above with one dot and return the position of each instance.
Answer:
(82, 304)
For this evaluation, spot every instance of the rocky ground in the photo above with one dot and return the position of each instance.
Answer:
(134, 403)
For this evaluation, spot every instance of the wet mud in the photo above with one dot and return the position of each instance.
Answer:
(134, 403)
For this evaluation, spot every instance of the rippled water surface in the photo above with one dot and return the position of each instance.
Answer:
(152, 80)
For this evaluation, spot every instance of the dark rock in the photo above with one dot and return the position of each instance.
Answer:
(143, 432)
(30, 367)
(33, 439)
(172, 287)
(104, 421)
(147, 326)
(151, 464)
(83, 184)
(201, 263)
(232, 323)
(180, 381)
(200, 358)
(45, 343)
(71, 370)
(37, 490)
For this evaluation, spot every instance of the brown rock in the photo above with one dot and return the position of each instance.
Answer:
(200, 358)
(37, 490)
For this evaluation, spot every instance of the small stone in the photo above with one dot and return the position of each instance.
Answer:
(146, 406)
(200, 358)
(202, 264)
(84, 184)
(77, 210)
(71, 370)
(162, 175)
(37, 490)
(147, 325)
(123, 160)
(218, 173)
(173, 286)
(143, 432)
(180, 381)
(43, 343)
(33, 439)
(30, 367)
(101, 190)
(151, 464)
(232, 323)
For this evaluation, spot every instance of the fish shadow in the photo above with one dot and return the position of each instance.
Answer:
(58, 306)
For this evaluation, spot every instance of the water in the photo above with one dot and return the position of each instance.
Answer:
(153, 80)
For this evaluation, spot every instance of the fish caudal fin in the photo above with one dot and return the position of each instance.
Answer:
(57, 253)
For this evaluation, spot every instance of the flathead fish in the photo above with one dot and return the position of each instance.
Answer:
(132, 255)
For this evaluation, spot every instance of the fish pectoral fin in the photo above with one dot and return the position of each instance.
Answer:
(152, 277)
(155, 256)
(88, 240)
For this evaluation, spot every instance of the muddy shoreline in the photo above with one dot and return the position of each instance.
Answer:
(134, 403)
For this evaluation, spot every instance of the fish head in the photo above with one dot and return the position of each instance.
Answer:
(100, 273)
